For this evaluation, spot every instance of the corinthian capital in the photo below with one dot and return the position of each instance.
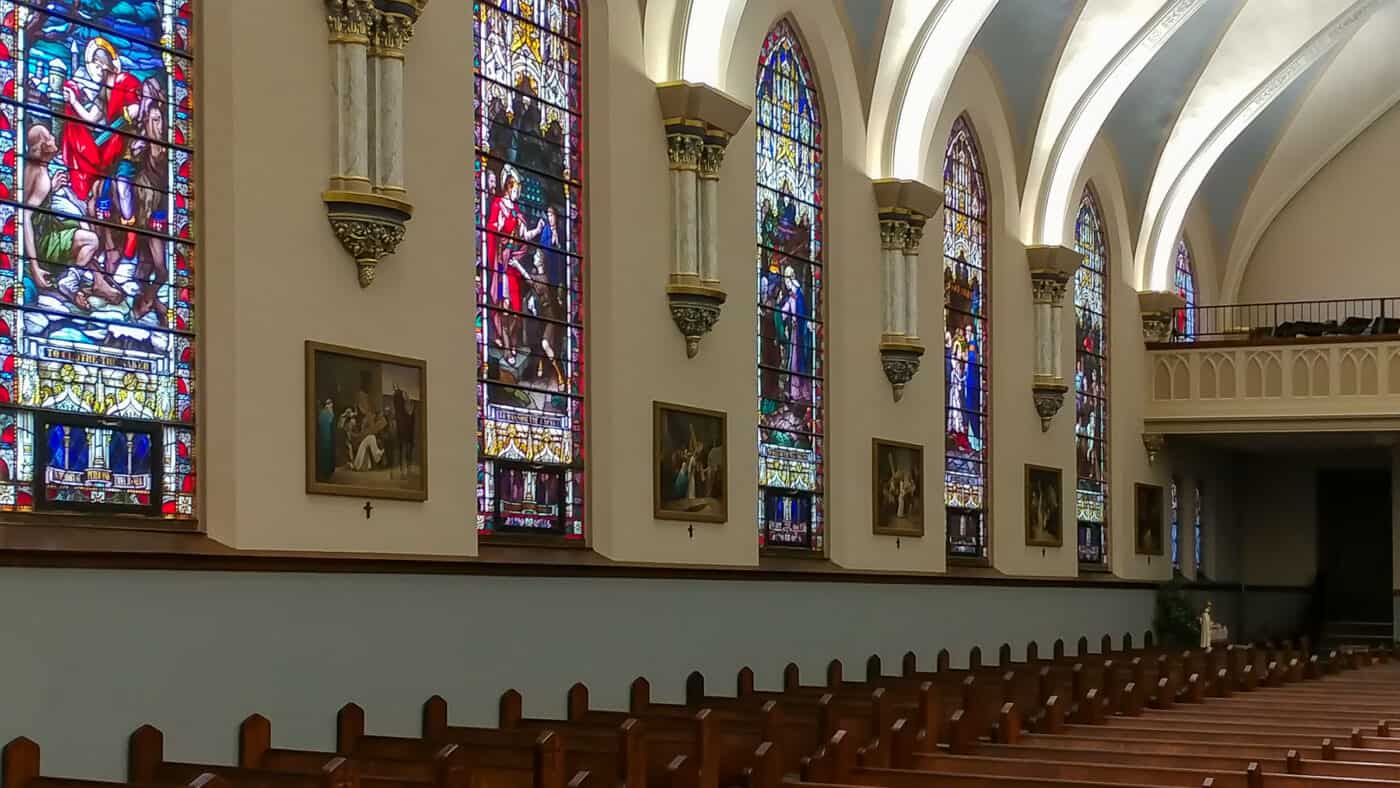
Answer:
(350, 21)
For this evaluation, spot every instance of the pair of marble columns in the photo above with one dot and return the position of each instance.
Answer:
(368, 40)
(905, 207)
(699, 122)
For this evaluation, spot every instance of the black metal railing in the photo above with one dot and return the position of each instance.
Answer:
(1287, 320)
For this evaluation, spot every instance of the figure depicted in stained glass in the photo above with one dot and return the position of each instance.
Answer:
(95, 198)
(965, 255)
(1184, 325)
(529, 278)
(790, 339)
(1091, 381)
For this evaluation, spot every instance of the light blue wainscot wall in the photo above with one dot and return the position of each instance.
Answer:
(86, 656)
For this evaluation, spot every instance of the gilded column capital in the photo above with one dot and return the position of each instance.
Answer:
(349, 21)
(390, 34)
(683, 150)
(916, 234)
(711, 160)
(894, 233)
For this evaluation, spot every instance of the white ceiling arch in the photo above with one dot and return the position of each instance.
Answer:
(1112, 59)
(1267, 46)
(1360, 85)
(1112, 42)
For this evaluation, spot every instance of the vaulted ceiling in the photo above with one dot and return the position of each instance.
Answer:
(1227, 106)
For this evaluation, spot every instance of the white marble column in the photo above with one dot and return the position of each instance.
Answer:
(350, 22)
(684, 153)
(711, 159)
(1052, 268)
(911, 276)
(390, 36)
(894, 234)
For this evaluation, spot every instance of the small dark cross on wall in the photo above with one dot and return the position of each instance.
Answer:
(369, 509)
(692, 530)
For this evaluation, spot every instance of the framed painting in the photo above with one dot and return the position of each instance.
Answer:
(1044, 507)
(1147, 524)
(897, 473)
(366, 423)
(690, 464)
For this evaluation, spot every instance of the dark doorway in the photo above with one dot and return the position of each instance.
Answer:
(1353, 556)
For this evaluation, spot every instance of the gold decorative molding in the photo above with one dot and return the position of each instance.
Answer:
(369, 226)
(350, 21)
(900, 359)
(695, 308)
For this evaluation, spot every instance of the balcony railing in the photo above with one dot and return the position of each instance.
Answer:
(1287, 320)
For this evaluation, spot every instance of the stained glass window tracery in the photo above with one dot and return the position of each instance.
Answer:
(97, 256)
(1176, 528)
(965, 347)
(1199, 536)
(1185, 279)
(1091, 381)
(529, 317)
(791, 336)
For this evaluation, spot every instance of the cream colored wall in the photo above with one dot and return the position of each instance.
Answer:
(268, 297)
(276, 276)
(1336, 238)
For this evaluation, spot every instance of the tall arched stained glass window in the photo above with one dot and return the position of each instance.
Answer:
(529, 317)
(1176, 527)
(791, 337)
(965, 361)
(1185, 279)
(1091, 381)
(97, 256)
(1199, 536)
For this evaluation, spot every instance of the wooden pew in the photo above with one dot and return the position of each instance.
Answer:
(493, 758)
(445, 767)
(19, 768)
(715, 746)
(146, 763)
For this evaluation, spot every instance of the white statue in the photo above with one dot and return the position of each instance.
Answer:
(1207, 625)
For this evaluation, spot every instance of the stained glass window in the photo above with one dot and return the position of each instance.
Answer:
(1185, 323)
(965, 359)
(1176, 528)
(1091, 381)
(97, 256)
(1199, 537)
(791, 336)
(529, 317)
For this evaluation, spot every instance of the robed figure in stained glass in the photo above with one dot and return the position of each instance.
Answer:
(965, 261)
(95, 162)
(790, 290)
(529, 277)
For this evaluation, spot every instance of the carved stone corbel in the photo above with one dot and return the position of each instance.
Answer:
(1051, 268)
(366, 203)
(1155, 443)
(905, 208)
(699, 122)
(1158, 309)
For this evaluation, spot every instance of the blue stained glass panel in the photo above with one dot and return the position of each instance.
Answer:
(966, 356)
(791, 335)
(1185, 280)
(97, 247)
(530, 282)
(1091, 381)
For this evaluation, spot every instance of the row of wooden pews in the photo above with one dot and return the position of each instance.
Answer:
(1236, 717)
